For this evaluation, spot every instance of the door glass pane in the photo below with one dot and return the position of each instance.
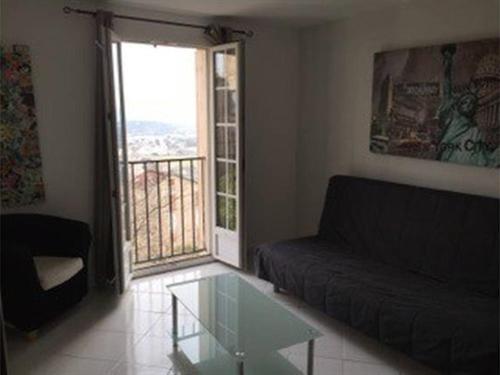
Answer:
(221, 211)
(221, 177)
(230, 66)
(116, 83)
(220, 142)
(226, 109)
(118, 107)
(220, 80)
(231, 178)
(231, 106)
(231, 143)
(231, 213)
(120, 142)
(220, 106)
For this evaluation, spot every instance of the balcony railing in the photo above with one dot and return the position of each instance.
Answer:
(167, 210)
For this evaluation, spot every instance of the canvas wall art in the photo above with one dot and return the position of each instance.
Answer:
(439, 103)
(21, 164)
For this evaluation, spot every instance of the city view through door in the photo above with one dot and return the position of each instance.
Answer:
(165, 97)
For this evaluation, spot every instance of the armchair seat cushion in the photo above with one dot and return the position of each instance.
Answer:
(53, 271)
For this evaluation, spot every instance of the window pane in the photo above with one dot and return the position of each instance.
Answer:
(231, 178)
(219, 62)
(221, 211)
(220, 106)
(231, 106)
(220, 142)
(117, 82)
(230, 65)
(231, 213)
(221, 177)
(231, 139)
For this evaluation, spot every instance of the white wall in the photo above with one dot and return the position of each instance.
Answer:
(287, 170)
(62, 48)
(272, 118)
(336, 86)
(63, 67)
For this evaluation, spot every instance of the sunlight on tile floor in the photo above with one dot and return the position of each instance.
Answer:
(130, 335)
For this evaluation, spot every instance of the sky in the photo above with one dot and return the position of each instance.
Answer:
(159, 83)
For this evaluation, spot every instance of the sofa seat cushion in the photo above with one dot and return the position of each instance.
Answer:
(53, 271)
(442, 325)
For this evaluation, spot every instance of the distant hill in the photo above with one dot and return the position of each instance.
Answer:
(151, 128)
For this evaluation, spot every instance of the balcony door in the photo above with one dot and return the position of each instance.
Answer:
(226, 89)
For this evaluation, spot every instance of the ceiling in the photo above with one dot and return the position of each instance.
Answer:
(297, 13)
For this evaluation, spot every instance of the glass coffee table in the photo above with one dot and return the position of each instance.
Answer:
(230, 327)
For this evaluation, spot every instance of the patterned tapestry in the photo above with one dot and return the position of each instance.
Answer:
(21, 164)
(439, 103)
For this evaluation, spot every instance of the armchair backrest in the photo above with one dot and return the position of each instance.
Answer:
(46, 235)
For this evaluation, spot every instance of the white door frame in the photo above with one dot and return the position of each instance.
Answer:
(207, 168)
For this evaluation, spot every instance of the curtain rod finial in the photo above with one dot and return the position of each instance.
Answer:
(67, 10)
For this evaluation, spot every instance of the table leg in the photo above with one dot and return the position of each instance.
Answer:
(310, 357)
(174, 321)
(241, 368)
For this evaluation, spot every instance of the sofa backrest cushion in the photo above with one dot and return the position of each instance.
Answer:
(448, 236)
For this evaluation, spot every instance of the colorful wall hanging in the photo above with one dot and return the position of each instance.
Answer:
(21, 163)
(440, 103)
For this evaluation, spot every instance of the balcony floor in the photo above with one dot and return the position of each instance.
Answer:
(171, 264)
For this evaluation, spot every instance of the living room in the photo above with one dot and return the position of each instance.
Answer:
(348, 203)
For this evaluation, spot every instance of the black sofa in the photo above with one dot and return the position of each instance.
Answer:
(26, 304)
(414, 268)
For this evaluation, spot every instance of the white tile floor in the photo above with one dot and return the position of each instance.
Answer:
(129, 335)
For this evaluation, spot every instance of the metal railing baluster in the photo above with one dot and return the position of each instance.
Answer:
(144, 251)
(202, 189)
(181, 178)
(158, 196)
(134, 205)
(193, 223)
(148, 236)
(170, 210)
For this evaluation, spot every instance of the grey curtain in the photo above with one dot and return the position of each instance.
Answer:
(103, 230)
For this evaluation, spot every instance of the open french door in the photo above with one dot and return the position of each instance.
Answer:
(227, 141)
(117, 149)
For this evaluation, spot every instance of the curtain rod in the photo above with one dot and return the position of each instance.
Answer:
(68, 10)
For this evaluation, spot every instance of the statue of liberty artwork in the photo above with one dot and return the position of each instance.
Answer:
(440, 103)
(462, 140)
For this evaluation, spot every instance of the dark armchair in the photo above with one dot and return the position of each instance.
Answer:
(27, 238)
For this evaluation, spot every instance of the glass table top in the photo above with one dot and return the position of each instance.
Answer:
(241, 320)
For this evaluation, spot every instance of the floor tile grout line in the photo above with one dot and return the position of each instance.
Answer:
(85, 357)
(301, 309)
(136, 343)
